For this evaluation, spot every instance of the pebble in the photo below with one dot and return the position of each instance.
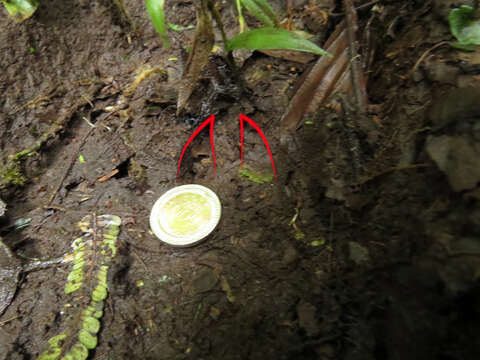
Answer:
(358, 253)
(204, 281)
(290, 255)
(458, 157)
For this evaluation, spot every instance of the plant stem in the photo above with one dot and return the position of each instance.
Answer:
(241, 20)
(218, 20)
(476, 15)
(229, 57)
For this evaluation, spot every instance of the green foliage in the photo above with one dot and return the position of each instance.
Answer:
(465, 27)
(261, 10)
(91, 260)
(156, 11)
(269, 38)
(178, 28)
(256, 177)
(91, 324)
(87, 339)
(20, 10)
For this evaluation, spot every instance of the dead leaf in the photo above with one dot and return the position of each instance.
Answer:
(322, 81)
(198, 58)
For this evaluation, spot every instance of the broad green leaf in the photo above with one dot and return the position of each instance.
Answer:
(20, 9)
(262, 11)
(269, 38)
(464, 27)
(155, 9)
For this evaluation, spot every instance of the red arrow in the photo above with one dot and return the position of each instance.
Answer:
(210, 120)
(242, 117)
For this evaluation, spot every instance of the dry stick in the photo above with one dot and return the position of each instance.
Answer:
(392, 169)
(357, 83)
(289, 14)
(358, 115)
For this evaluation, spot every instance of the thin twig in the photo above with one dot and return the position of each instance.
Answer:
(373, 2)
(10, 319)
(424, 55)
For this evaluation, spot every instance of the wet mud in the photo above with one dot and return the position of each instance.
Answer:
(365, 247)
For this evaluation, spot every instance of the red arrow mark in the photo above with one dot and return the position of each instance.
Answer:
(242, 117)
(210, 120)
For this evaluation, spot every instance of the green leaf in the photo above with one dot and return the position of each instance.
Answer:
(72, 287)
(100, 293)
(76, 275)
(464, 27)
(318, 242)
(20, 9)
(56, 340)
(179, 28)
(91, 324)
(87, 339)
(81, 158)
(269, 38)
(174, 27)
(262, 11)
(155, 9)
(78, 352)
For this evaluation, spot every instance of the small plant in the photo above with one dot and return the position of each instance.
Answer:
(465, 26)
(269, 37)
(87, 286)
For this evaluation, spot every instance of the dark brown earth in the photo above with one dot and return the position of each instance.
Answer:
(367, 257)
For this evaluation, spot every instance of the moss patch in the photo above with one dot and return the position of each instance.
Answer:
(137, 172)
(11, 174)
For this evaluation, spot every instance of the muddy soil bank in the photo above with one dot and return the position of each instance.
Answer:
(351, 257)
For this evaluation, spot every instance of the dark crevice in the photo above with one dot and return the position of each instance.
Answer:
(123, 168)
